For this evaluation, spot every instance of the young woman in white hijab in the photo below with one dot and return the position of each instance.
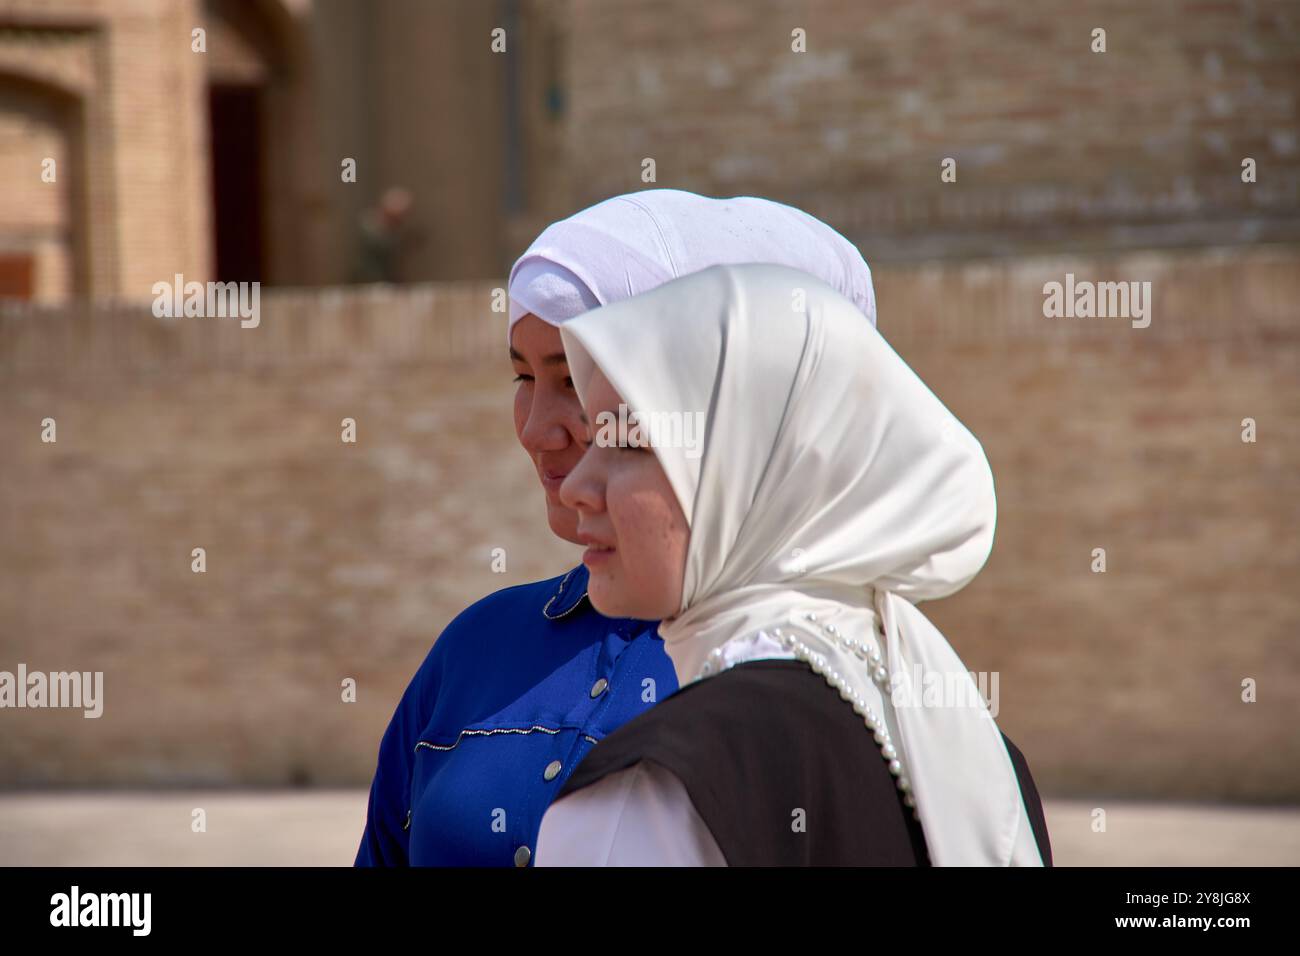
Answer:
(832, 490)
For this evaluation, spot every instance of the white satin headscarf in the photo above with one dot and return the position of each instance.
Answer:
(831, 481)
(630, 244)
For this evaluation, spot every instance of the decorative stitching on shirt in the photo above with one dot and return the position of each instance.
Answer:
(486, 733)
(558, 594)
(502, 730)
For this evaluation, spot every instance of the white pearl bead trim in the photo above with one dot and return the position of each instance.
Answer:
(819, 664)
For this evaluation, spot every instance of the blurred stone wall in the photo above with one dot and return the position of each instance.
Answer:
(1055, 146)
(328, 560)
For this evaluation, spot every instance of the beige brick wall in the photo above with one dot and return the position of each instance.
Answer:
(1101, 435)
(1056, 146)
(328, 560)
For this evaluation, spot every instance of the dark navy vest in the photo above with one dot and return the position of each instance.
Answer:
(782, 771)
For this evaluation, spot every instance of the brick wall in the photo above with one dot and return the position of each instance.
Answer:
(328, 560)
(1056, 146)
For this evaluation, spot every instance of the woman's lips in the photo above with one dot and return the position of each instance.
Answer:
(597, 555)
(597, 552)
(551, 481)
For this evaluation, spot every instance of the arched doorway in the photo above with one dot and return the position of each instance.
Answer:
(42, 207)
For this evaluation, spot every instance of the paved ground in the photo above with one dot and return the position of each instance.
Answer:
(321, 828)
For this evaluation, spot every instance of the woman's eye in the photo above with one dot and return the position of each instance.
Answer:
(523, 378)
(568, 382)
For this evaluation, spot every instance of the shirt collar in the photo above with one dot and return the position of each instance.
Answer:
(572, 590)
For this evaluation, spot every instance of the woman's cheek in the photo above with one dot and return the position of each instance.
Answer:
(633, 511)
(521, 408)
(621, 502)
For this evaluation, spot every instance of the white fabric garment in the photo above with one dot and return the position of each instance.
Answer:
(641, 815)
(632, 243)
(831, 481)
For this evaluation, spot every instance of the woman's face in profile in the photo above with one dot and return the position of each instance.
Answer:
(548, 415)
(629, 518)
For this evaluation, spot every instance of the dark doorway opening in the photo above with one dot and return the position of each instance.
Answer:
(236, 116)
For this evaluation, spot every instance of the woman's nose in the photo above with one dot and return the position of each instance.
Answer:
(583, 489)
(544, 428)
(551, 421)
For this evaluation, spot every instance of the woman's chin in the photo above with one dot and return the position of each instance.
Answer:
(608, 598)
(563, 521)
(612, 599)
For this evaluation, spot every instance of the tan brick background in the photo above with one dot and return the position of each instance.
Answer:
(1057, 148)
(328, 560)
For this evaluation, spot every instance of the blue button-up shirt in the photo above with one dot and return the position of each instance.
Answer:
(515, 692)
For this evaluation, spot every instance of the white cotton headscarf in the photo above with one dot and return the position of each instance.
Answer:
(830, 481)
(630, 244)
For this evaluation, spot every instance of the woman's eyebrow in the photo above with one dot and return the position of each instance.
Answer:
(555, 358)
